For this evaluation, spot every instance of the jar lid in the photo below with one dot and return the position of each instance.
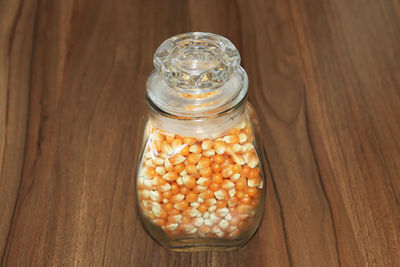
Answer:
(196, 74)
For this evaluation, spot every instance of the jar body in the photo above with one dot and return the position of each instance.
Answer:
(202, 193)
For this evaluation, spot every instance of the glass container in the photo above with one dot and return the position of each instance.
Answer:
(200, 176)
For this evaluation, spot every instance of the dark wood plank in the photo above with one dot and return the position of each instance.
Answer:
(16, 41)
(324, 78)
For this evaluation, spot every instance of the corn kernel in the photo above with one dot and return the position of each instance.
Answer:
(193, 158)
(164, 188)
(207, 144)
(177, 159)
(177, 198)
(209, 153)
(223, 224)
(195, 149)
(219, 147)
(220, 194)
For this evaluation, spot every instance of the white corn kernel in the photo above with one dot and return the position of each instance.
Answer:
(216, 230)
(222, 212)
(242, 125)
(223, 224)
(200, 200)
(195, 204)
(191, 212)
(212, 208)
(209, 153)
(232, 192)
(172, 226)
(231, 228)
(220, 194)
(206, 215)
(155, 195)
(235, 177)
(239, 159)
(179, 181)
(208, 222)
(242, 138)
(253, 162)
(253, 182)
(149, 163)
(202, 181)
(156, 208)
(236, 148)
(198, 222)
(158, 161)
(160, 170)
(228, 217)
(214, 218)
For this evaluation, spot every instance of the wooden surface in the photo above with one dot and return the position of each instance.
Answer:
(324, 78)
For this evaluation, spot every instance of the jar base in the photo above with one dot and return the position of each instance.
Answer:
(196, 245)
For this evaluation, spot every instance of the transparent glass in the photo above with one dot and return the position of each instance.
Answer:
(200, 175)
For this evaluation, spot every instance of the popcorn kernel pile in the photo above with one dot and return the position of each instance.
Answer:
(200, 188)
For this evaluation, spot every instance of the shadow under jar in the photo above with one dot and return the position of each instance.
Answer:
(200, 175)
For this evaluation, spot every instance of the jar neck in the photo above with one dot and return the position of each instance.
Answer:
(211, 127)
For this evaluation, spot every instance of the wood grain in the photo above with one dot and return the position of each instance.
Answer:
(324, 78)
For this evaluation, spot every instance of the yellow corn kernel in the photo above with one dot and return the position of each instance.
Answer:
(207, 144)
(227, 185)
(193, 158)
(182, 205)
(176, 143)
(226, 171)
(209, 153)
(168, 166)
(189, 181)
(210, 202)
(253, 161)
(195, 148)
(177, 159)
(164, 188)
(238, 159)
(230, 139)
(203, 181)
(189, 140)
(160, 170)
(219, 147)
(177, 198)
(170, 176)
(166, 148)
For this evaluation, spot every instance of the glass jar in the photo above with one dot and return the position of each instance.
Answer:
(200, 175)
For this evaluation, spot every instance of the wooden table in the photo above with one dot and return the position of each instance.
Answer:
(324, 78)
